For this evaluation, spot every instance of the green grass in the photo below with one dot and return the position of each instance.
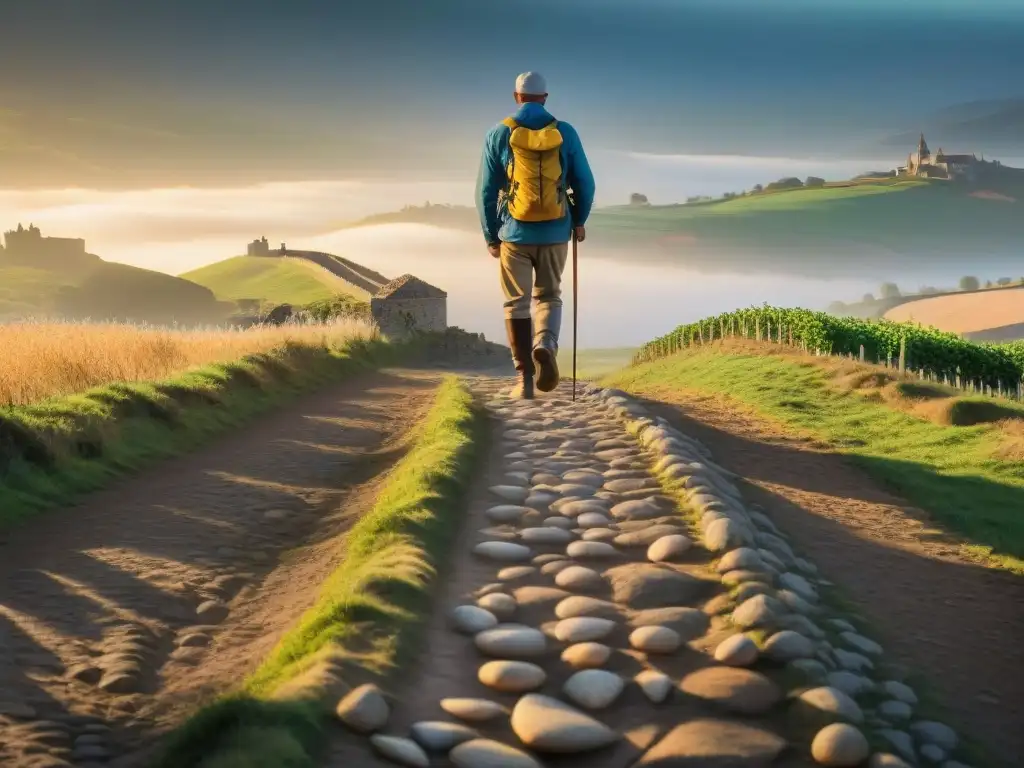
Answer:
(865, 223)
(52, 451)
(272, 280)
(377, 598)
(951, 472)
(597, 361)
(102, 290)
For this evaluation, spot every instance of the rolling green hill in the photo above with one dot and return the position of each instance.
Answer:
(881, 222)
(270, 280)
(101, 290)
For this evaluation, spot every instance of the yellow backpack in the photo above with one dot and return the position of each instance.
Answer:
(536, 189)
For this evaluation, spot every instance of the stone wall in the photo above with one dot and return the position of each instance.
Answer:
(398, 317)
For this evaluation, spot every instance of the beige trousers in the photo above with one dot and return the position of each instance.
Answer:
(531, 272)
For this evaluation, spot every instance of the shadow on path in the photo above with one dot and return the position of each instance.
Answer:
(959, 624)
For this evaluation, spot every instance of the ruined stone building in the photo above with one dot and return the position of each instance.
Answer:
(408, 304)
(28, 245)
(941, 166)
(258, 248)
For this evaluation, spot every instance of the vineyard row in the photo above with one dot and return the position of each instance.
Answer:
(996, 369)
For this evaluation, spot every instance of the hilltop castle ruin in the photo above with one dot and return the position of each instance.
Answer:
(941, 166)
(399, 307)
(28, 245)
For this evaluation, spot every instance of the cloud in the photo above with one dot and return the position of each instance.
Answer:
(115, 219)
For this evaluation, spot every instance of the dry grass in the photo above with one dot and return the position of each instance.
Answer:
(964, 312)
(40, 360)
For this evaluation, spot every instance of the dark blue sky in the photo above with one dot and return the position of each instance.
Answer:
(141, 91)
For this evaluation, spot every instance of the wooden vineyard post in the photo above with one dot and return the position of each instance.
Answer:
(757, 328)
(791, 335)
(862, 353)
(903, 354)
(721, 325)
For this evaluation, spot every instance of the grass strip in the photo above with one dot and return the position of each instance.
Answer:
(952, 472)
(55, 450)
(368, 614)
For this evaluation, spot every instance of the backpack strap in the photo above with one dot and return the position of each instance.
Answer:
(510, 122)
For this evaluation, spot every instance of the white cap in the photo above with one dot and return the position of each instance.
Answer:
(531, 84)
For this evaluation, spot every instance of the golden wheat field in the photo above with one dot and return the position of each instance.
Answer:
(39, 360)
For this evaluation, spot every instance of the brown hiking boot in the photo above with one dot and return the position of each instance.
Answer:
(520, 334)
(545, 346)
(523, 390)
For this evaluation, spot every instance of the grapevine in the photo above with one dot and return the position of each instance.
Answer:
(937, 353)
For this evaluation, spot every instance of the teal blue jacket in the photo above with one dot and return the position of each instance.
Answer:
(497, 224)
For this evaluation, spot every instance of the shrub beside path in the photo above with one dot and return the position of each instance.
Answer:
(614, 601)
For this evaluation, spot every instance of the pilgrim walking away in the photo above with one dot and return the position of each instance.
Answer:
(534, 193)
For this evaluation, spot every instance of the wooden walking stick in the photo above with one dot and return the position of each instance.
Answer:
(575, 305)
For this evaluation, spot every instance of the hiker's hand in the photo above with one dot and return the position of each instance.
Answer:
(581, 234)
(494, 250)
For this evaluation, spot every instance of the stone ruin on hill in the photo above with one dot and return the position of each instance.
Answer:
(27, 246)
(399, 307)
(407, 305)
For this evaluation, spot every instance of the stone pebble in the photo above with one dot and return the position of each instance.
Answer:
(506, 513)
(655, 685)
(487, 753)
(400, 750)
(503, 551)
(549, 725)
(840, 745)
(668, 548)
(545, 535)
(578, 577)
(511, 676)
(471, 619)
(440, 735)
(655, 639)
(582, 605)
(737, 651)
(364, 709)
(581, 629)
(593, 688)
(473, 710)
(511, 641)
(598, 550)
(499, 604)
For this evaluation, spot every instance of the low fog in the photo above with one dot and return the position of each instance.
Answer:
(622, 301)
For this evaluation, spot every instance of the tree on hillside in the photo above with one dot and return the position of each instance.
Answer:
(814, 181)
(758, 188)
(637, 199)
(837, 307)
(789, 182)
(969, 283)
(988, 283)
(867, 298)
(889, 291)
(1003, 281)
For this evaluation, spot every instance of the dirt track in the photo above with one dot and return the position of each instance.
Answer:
(108, 590)
(958, 624)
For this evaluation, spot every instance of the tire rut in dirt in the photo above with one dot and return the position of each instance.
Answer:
(120, 614)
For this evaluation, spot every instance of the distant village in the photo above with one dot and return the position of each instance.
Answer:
(941, 165)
